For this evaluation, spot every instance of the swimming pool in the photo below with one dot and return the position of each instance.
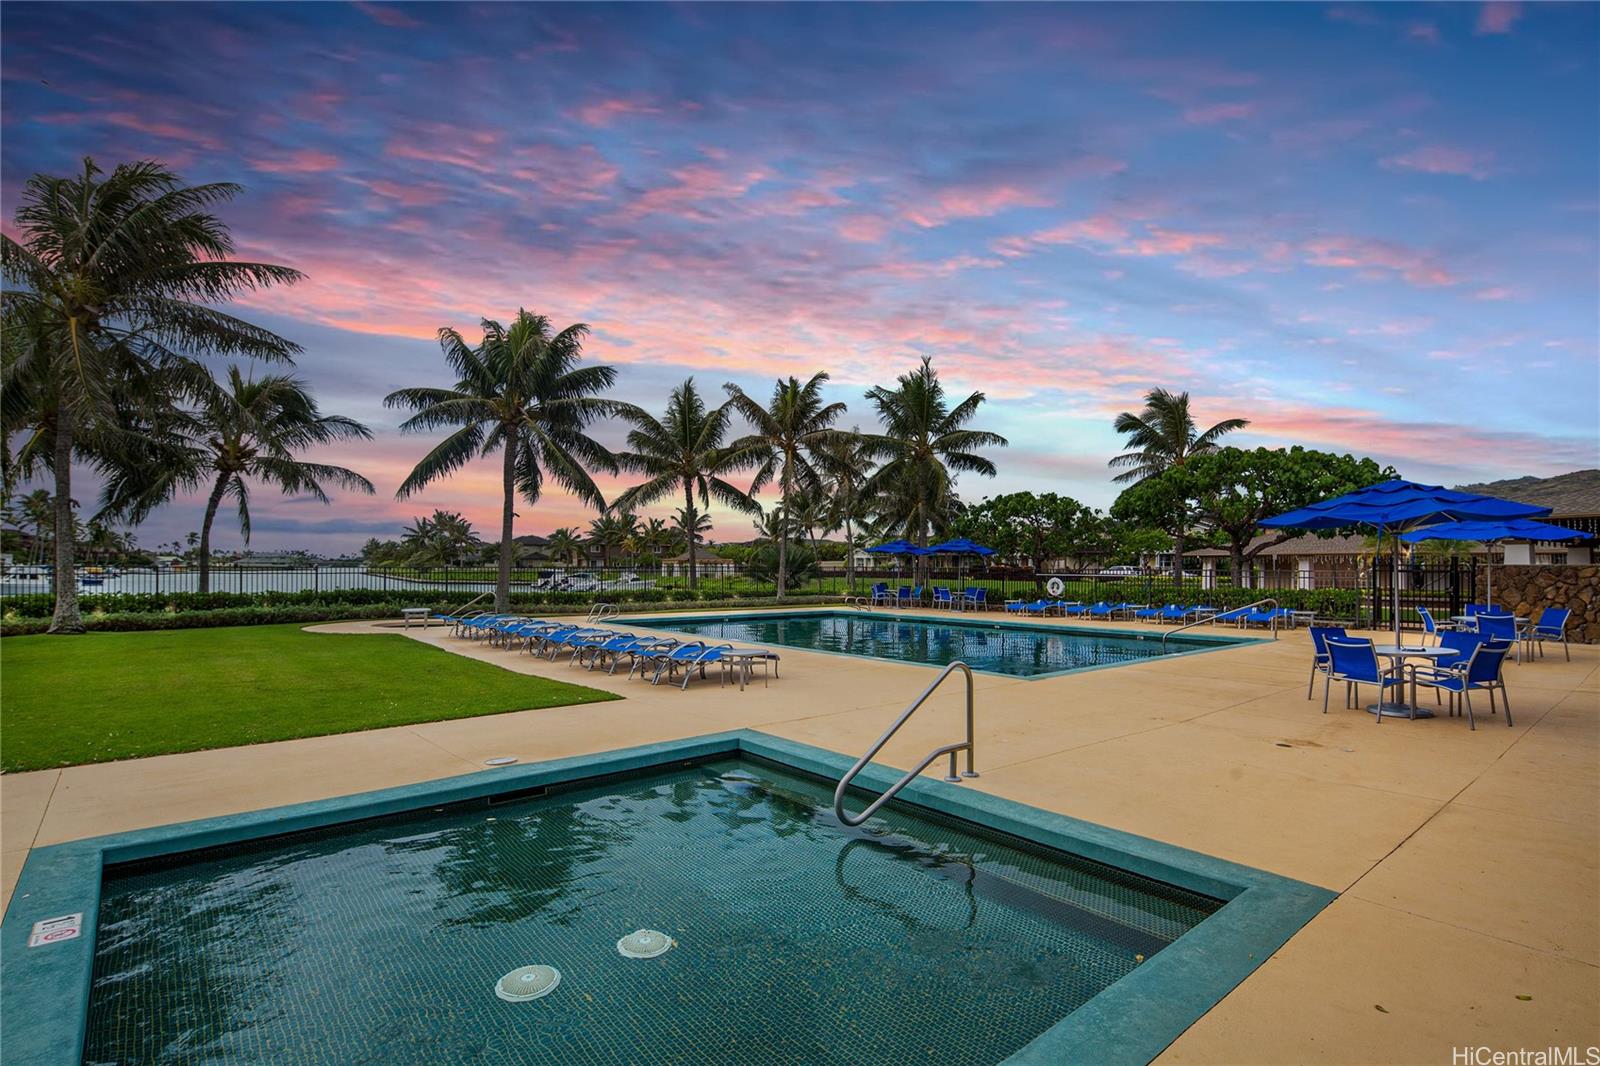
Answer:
(376, 927)
(997, 647)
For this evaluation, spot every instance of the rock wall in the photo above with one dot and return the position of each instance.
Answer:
(1528, 589)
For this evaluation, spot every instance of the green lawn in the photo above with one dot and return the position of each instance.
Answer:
(104, 696)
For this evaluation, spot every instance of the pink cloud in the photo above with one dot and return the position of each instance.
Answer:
(127, 120)
(868, 229)
(1495, 292)
(693, 188)
(1498, 16)
(1159, 241)
(605, 112)
(972, 201)
(407, 195)
(1377, 260)
(1209, 114)
(454, 146)
(299, 161)
(1443, 159)
(387, 15)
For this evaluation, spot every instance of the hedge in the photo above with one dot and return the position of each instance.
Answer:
(305, 613)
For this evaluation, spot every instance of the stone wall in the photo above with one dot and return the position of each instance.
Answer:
(1527, 589)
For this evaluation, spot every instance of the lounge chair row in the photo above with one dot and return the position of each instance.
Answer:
(597, 647)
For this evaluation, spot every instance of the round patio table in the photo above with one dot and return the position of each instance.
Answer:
(1405, 710)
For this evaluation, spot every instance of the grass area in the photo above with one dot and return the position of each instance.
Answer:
(105, 696)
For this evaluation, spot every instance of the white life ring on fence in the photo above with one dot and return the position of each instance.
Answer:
(1055, 586)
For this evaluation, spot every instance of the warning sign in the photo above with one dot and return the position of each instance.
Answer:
(54, 930)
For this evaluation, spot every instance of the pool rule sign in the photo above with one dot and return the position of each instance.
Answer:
(55, 930)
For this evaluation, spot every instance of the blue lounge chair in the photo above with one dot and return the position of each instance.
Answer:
(1552, 625)
(1198, 612)
(1150, 614)
(1355, 662)
(1237, 615)
(1320, 658)
(642, 650)
(691, 657)
(1484, 670)
(1104, 609)
(1075, 609)
(1265, 618)
(1173, 613)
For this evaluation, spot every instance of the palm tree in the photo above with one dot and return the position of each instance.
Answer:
(521, 392)
(39, 511)
(244, 429)
(1161, 437)
(683, 451)
(690, 526)
(611, 531)
(789, 432)
(114, 285)
(657, 538)
(847, 466)
(565, 545)
(924, 443)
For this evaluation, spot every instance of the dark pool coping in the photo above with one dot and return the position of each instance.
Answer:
(1214, 641)
(44, 992)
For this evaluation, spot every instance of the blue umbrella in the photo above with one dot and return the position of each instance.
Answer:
(1399, 507)
(898, 547)
(1492, 532)
(961, 546)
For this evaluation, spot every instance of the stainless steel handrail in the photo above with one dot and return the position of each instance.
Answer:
(1213, 618)
(948, 749)
(601, 611)
(860, 603)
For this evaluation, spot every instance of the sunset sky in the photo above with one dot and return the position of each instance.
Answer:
(1368, 228)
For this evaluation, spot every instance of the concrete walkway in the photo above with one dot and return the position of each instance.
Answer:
(1468, 862)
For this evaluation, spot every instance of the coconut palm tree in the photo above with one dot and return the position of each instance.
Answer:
(683, 452)
(925, 442)
(1164, 435)
(847, 466)
(1161, 437)
(690, 526)
(789, 433)
(242, 430)
(38, 512)
(113, 286)
(565, 545)
(610, 532)
(522, 392)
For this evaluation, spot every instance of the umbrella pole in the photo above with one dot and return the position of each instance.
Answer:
(1394, 590)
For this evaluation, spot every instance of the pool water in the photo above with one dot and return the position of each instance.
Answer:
(913, 938)
(1017, 650)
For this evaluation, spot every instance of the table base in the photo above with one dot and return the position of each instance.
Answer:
(1397, 710)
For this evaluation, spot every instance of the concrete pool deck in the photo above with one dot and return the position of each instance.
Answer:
(1468, 862)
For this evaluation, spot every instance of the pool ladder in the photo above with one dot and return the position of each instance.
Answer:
(948, 749)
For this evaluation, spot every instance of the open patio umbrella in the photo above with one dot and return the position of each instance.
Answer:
(961, 546)
(1493, 532)
(1397, 507)
(898, 547)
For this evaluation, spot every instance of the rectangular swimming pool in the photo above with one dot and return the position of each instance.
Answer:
(953, 927)
(993, 646)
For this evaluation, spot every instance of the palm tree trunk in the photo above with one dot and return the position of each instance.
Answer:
(849, 555)
(1177, 558)
(67, 618)
(688, 513)
(205, 531)
(508, 484)
(783, 546)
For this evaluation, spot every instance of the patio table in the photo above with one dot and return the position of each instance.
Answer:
(743, 662)
(415, 614)
(1399, 654)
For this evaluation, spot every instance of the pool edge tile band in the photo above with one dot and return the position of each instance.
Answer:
(46, 990)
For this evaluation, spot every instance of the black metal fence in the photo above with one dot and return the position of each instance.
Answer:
(1356, 594)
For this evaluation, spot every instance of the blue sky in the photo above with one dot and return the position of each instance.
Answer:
(1368, 228)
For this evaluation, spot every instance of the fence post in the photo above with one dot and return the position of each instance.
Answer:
(316, 578)
(1455, 585)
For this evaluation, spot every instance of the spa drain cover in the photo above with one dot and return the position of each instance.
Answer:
(527, 982)
(644, 944)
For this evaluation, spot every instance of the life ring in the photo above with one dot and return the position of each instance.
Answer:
(1055, 586)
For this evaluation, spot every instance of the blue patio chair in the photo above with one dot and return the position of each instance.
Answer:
(976, 598)
(1552, 625)
(942, 598)
(1319, 651)
(880, 593)
(1484, 670)
(1461, 644)
(1500, 627)
(1431, 627)
(1355, 662)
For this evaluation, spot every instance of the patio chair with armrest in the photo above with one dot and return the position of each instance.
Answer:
(943, 598)
(975, 598)
(1355, 662)
(1319, 651)
(1500, 627)
(1484, 670)
(880, 593)
(1552, 625)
